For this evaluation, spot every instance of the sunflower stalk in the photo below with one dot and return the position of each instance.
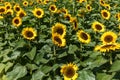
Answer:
(111, 58)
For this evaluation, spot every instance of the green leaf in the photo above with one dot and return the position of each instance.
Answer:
(8, 65)
(115, 66)
(17, 72)
(104, 76)
(20, 44)
(72, 48)
(2, 66)
(31, 54)
(38, 75)
(86, 75)
(46, 69)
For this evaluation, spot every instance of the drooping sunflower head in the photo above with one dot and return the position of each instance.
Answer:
(105, 14)
(83, 36)
(108, 37)
(98, 27)
(38, 12)
(16, 21)
(25, 3)
(21, 13)
(88, 7)
(29, 33)
(16, 8)
(58, 40)
(59, 29)
(69, 71)
(53, 8)
(107, 47)
(2, 10)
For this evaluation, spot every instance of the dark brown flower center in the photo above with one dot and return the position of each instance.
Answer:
(98, 27)
(2, 10)
(59, 31)
(105, 14)
(88, 7)
(8, 7)
(52, 8)
(21, 14)
(29, 34)
(108, 38)
(17, 9)
(38, 12)
(57, 39)
(69, 72)
(16, 21)
(84, 36)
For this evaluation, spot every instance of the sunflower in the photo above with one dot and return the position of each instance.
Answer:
(107, 47)
(59, 29)
(39, 1)
(88, 7)
(83, 36)
(29, 33)
(46, 1)
(81, 1)
(17, 21)
(108, 37)
(107, 6)
(53, 8)
(58, 40)
(64, 10)
(105, 14)
(67, 17)
(25, 3)
(8, 6)
(9, 12)
(74, 23)
(38, 12)
(98, 27)
(69, 71)
(16, 8)
(2, 10)
(102, 2)
(21, 13)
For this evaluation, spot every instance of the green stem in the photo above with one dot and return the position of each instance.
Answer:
(110, 58)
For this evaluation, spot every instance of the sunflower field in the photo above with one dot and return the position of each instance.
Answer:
(59, 39)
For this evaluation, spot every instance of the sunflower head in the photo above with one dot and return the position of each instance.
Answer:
(74, 22)
(64, 10)
(8, 6)
(16, 8)
(59, 29)
(107, 6)
(39, 1)
(83, 36)
(105, 14)
(88, 7)
(16, 21)
(69, 71)
(46, 1)
(67, 17)
(9, 12)
(25, 3)
(21, 13)
(102, 2)
(108, 37)
(38, 12)
(29, 33)
(58, 40)
(53, 8)
(98, 27)
(2, 10)
(107, 47)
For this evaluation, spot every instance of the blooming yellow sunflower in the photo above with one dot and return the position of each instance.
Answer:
(29, 33)
(108, 37)
(8, 6)
(38, 12)
(64, 10)
(59, 29)
(46, 1)
(105, 14)
(74, 23)
(25, 3)
(53, 8)
(17, 8)
(88, 7)
(107, 6)
(83, 36)
(69, 71)
(98, 27)
(102, 2)
(58, 40)
(16, 21)
(67, 17)
(81, 1)
(21, 13)
(39, 1)
(9, 12)
(107, 47)
(2, 9)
